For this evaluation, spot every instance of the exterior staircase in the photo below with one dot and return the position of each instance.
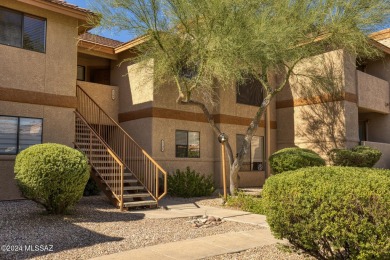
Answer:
(121, 168)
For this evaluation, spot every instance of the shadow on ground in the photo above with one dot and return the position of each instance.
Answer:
(24, 226)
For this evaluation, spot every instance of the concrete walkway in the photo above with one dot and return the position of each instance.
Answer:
(204, 246)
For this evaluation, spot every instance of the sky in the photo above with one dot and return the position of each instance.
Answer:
(121, 36)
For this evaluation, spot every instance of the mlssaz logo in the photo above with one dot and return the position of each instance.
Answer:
(38, 248)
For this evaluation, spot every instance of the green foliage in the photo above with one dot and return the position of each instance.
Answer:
(91, 189)
(53, 175)
(189, 184)
(331, 212)
(288, 159)
(199, 43)
(246, 202)
(359, 156)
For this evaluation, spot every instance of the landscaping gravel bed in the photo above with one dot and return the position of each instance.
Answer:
(94, 228)
(271, 252)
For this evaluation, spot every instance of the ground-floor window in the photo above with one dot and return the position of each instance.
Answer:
(187, 144)
(18, 133)
(254, 161)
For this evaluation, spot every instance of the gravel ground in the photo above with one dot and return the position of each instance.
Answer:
(271, 252)
(96, 228)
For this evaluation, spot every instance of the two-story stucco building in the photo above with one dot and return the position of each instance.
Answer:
(59, 84)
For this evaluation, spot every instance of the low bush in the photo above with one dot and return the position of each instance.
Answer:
(360, 156)
(91, 189)
(246, 202)
(331, 212)
(53, 175)
(189, 183)
(288, 159)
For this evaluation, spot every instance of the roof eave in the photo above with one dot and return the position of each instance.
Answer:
(80, 15)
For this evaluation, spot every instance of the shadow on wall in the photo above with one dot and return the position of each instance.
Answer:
(322, 120)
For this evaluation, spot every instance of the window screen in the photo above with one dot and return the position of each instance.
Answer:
(34, 34)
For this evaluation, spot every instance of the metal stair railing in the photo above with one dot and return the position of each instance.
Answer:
(146, 170)
(104, 161)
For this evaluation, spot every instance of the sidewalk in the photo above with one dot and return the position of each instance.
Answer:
(175, 209)
(204, 246)
(200, 247)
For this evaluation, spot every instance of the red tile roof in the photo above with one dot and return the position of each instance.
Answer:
(93, 38)
(65, 4)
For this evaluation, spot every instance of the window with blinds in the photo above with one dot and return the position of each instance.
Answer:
(19, 133)
(22, 30)
(187, 144)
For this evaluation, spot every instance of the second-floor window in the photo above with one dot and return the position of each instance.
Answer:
(249, 92)
(22, 30)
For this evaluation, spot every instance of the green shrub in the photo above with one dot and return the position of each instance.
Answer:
(53, 175)
(331, 212)
(288, 159)
(91, 189)
(189, 184)
(246, 202)
(360, 156)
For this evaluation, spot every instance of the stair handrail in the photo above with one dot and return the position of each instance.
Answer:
(112, 154)
(158, 167)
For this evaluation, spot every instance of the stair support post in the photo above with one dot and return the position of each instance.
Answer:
(122, 187)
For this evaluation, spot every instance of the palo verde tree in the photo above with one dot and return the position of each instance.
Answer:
(202, 45)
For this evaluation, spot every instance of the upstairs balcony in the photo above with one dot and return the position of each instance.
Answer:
(373, 94)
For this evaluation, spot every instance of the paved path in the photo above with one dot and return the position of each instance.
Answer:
(204, 246)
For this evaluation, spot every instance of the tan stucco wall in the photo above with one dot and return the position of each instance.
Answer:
(141, 131)
(322, 125)
(50, 72)
(106, 96)
(373, 93)
(379, 68)
(58, 127)
(164, 129)
(384, 161)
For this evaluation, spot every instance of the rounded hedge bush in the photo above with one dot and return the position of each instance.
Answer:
(360, 156)
(288, 159)
(331, 212)
(53, 175)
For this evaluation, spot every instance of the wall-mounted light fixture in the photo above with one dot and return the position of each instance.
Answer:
(162, 145)
(113, 94)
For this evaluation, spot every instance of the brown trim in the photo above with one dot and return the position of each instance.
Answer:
(316, 100)
(55, 7)
(186, 116)
(96, 47)
(37, 98)
(381, 35)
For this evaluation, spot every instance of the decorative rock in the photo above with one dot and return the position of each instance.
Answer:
(211, 218)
